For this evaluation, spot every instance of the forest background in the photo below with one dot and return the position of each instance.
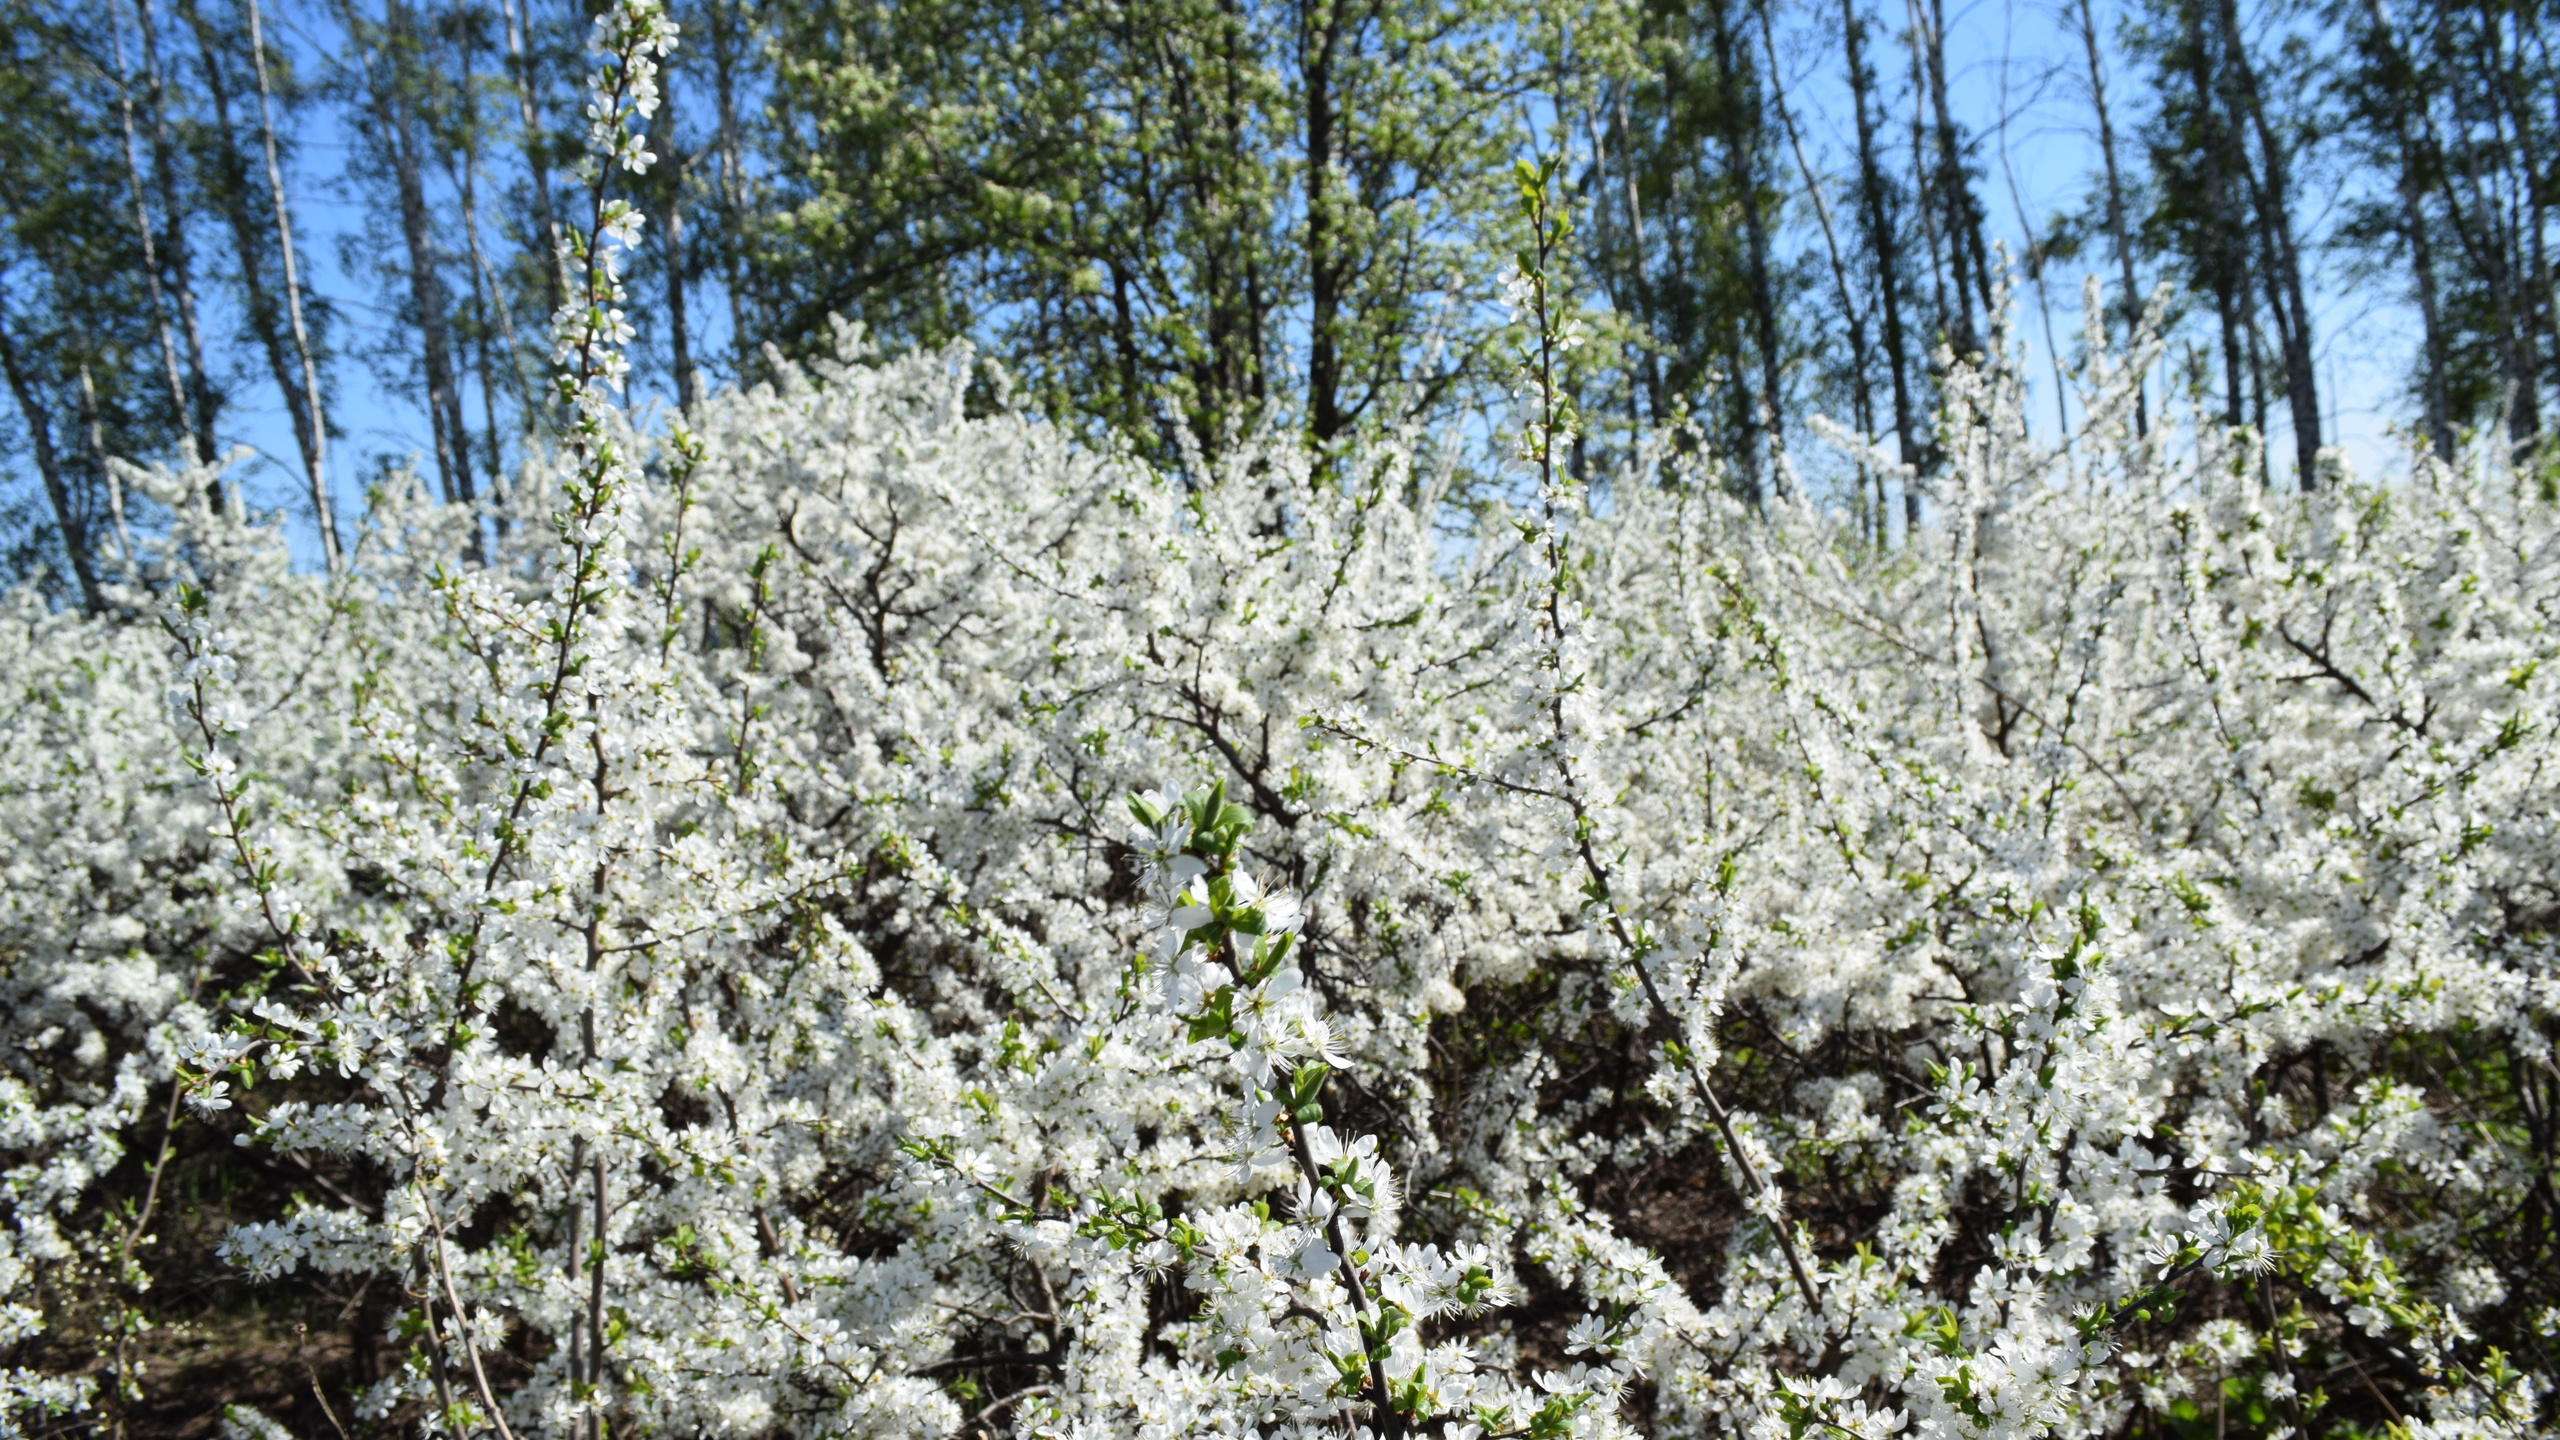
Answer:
(324, 228)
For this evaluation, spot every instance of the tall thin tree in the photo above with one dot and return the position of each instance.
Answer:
(1743, 124)
(386, 63)
(235, 195)
(2271, 187)
(1884, 244)
(2129, 302)
(1852, 310)
(175, 252)
(38, 418)
(316, 443)
(536, 146)
(147, 234)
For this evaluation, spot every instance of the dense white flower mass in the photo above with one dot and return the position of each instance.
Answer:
(730, 961)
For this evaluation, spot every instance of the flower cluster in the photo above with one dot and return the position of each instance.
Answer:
(1313, 1308)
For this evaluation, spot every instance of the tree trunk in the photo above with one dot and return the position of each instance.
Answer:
(1955, 194)
(2403, 92)
(1926, 202)
(733, 205)
(1861, 397)
(1884, 241)
(1319, 33)
(536, 163)
(316, 441)
(1609, 259)
(142, 229)
(679, 333)
(464, 173)
(483, 287)
(265, 321)
(2549, 183)
(1206, 101)
(2476, 224)
(2520, 235)
(2274, 196)
(2413, 221)
(2217, 251)
(388, 86)
(173, 237)
(1740, 106)
(95, 432)
(679, 340)
(489, 298)
(1636, 261)
(39, 422)
(2117, 230)
(2037, 259)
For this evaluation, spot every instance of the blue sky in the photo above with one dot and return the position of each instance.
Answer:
(2017, 79)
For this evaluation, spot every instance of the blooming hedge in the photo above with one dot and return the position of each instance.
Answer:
(715, 951)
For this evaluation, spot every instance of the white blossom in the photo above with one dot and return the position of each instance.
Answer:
(669, 869)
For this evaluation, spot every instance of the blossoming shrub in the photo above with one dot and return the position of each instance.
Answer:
(717, 954)
(2089, 968)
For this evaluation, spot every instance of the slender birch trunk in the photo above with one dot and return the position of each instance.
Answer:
(94, 430)
(1638, 261)
(2117, 229)
(316, 450)
(2036, 261)
(142, 229)
(463, 173)
(1861, 397)
(173, 236)
(232, 190)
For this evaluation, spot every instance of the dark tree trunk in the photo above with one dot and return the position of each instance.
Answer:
(732, 179)
(1961, 216)
(2511, 116)
(679, 332)
(1319, 34)
(1740, 106)
(395, 112)
(2404, 93)
(1885, 241)
(2218, 253)
(66, 515)
(528, 87)
(2131, 302)
(2273, 189)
